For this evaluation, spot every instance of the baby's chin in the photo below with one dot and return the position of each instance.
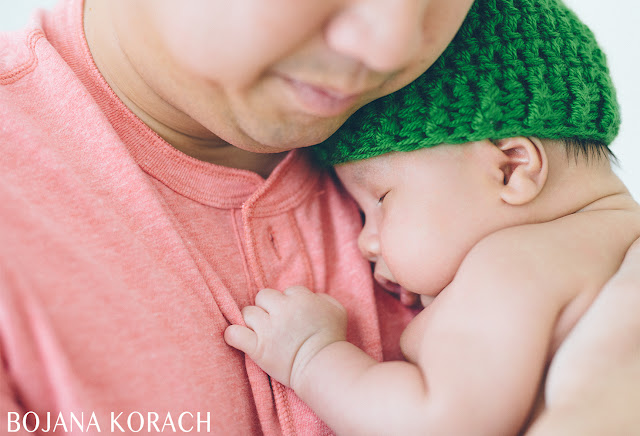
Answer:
(406, 297)
(426, 300)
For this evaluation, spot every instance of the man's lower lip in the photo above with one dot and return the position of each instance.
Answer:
(317, 101)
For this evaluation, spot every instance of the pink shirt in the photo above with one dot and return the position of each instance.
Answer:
(123, 260)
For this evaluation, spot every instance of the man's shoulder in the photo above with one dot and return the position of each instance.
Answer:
(18, 56)
(33, 76)
(45, 109)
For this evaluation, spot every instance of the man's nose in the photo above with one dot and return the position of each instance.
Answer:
(385, 35)
(369, 244)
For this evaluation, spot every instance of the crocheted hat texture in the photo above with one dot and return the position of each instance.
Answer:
(515, 68)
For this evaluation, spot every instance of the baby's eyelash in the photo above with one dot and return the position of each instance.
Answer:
(381, 199)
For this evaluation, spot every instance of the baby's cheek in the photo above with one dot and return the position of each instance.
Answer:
(411, 267)
(431, 263)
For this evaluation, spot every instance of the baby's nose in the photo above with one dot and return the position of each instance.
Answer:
(369, 245)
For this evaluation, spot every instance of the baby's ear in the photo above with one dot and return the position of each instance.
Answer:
(524, 167)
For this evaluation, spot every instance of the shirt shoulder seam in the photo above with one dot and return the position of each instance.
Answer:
(29, 64)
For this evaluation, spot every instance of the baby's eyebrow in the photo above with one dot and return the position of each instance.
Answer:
(374, 170)
(360, 175)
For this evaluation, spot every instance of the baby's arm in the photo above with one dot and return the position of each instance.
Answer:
(298, 337)
(482, 348)
(285, 330)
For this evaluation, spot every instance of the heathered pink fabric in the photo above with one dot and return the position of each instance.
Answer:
(123, 260)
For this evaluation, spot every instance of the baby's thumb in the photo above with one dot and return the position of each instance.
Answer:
(242, 338)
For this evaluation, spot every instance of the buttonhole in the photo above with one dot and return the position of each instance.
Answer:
(274, 244)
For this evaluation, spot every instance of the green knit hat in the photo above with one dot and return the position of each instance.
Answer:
(515, 68)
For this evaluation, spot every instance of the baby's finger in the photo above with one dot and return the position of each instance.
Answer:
(242, 338)
(332, 300)
(255, 317)
(297, 290)
(269, 299)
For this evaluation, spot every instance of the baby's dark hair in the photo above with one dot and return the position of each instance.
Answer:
(580, 149)
(589, 150)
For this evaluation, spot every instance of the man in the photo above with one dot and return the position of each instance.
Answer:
(148, 193)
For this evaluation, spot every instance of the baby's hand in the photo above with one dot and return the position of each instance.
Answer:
(285, 330)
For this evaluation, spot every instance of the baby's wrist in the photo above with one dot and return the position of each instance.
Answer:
(302, 371)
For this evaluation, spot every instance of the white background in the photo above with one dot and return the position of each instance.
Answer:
(616, 24)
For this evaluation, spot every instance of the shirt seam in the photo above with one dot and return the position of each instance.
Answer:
(29, 65)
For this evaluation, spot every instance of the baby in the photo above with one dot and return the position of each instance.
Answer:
(507, 230)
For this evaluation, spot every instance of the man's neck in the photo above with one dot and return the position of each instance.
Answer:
(173, 125)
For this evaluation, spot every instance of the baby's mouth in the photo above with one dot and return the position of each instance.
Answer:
(388, 285)
(407, 298)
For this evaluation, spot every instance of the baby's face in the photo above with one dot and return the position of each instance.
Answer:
(424, 210)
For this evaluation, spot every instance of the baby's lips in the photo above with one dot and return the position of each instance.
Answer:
(387, 285)
(406, 297)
